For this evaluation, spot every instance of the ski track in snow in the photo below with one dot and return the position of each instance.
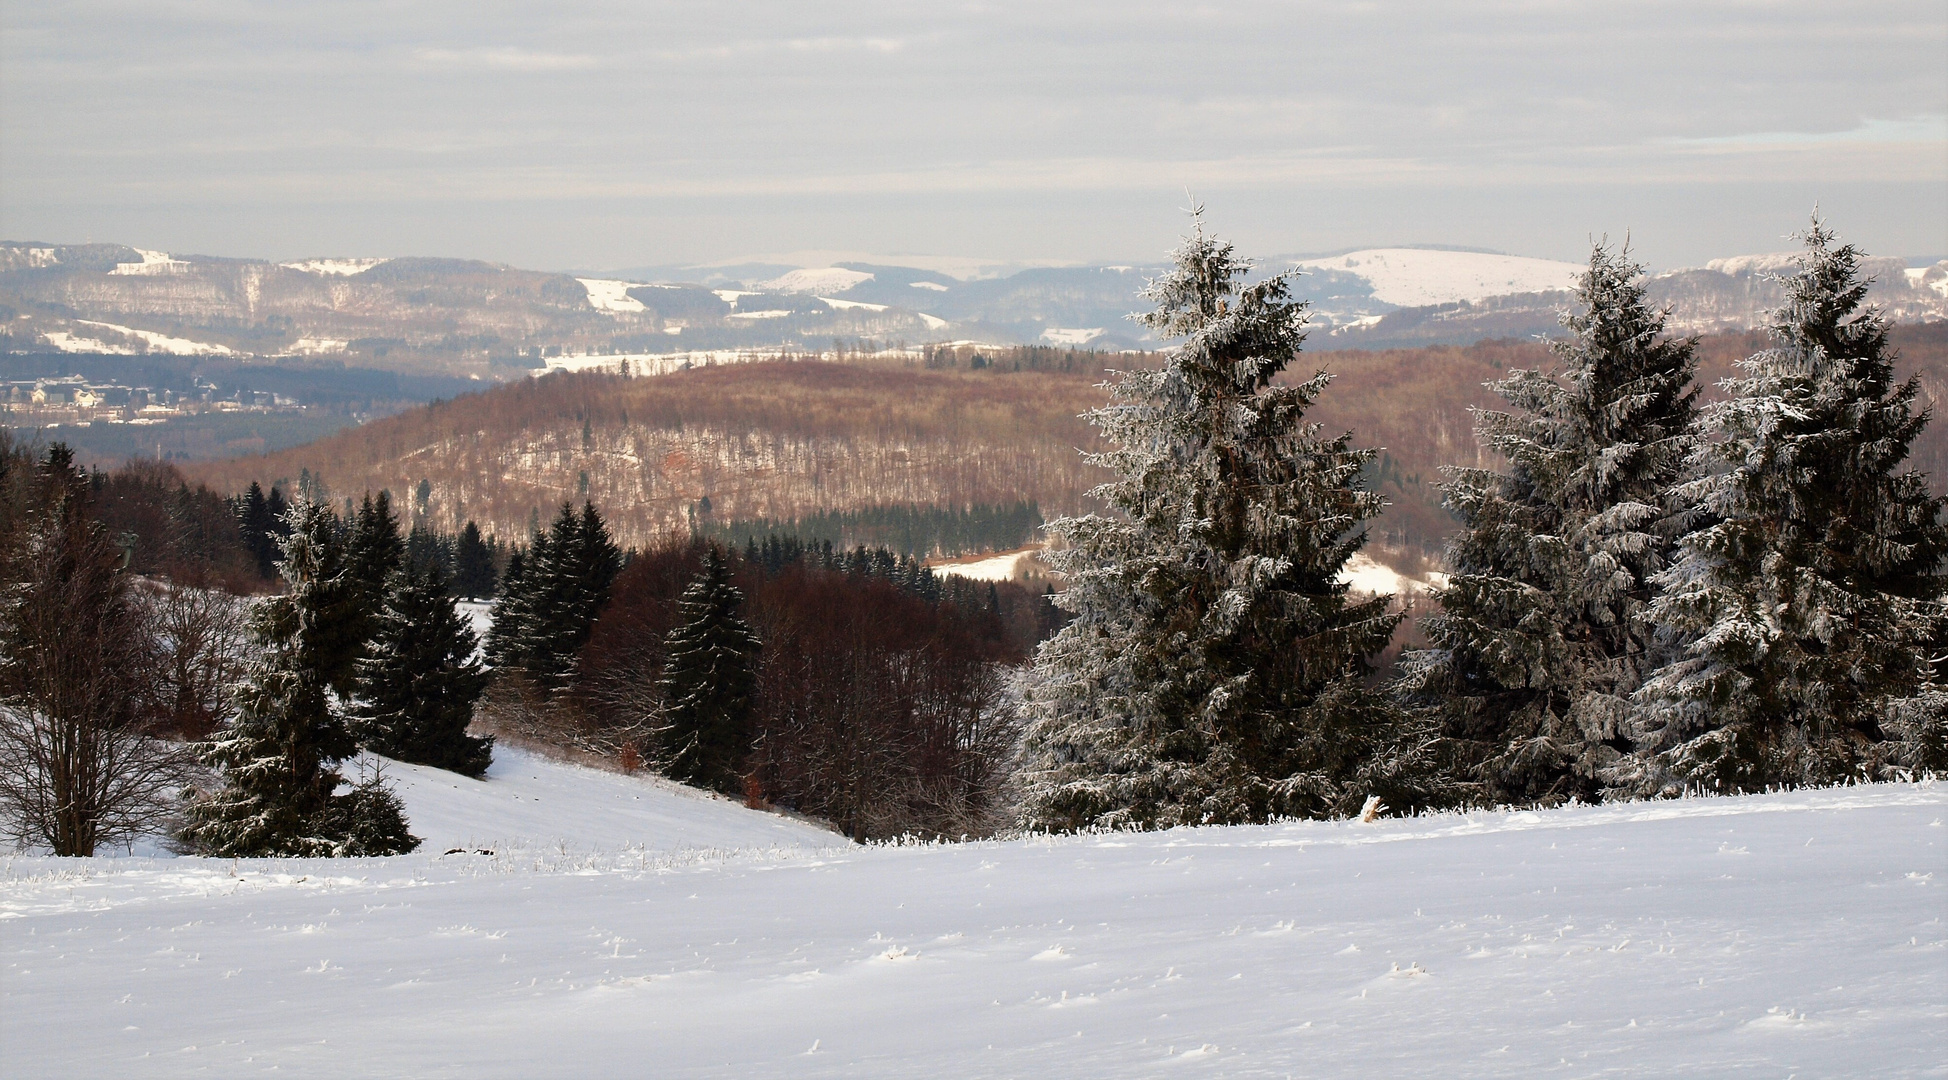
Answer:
(1758, 936)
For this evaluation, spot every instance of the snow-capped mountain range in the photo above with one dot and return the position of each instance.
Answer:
(458, 314)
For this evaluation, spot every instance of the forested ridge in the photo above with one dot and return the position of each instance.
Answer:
(790, 440)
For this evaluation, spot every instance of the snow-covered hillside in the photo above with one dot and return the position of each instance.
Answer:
(1416, 277)
(1764, 936)
(529, 801)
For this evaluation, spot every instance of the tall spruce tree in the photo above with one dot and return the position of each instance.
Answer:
(1215, 670)
(547, 608)
(1808, 601)
(473, 564)
(279, 756)
(1538, 642)
(374, 550)
(710, 682)
(419, 680)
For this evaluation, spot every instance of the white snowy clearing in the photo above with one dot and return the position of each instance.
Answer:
(1759, 936)
(850, 305)
(828, 279)
(162, 343)
(333, 267)
(605, 294)
(1065, 335)
(153, 262)
(930, 286)
(1416, 277)
(1000, 567)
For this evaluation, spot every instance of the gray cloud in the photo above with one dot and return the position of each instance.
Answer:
(608, 133)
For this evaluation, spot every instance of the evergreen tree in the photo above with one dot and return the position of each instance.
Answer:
(418, 684)
(511, 613)
(1215, 668)
(473, 564)
(710, 682)
(1808, 601)
(550, 606)
(1538, 643)
(279, 756)
(254, 525)
(373, 552)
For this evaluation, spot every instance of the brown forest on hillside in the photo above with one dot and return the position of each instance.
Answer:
(783, 439)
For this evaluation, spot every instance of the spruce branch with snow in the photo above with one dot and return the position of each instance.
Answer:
(1808, 600)
(1538, 643)
(1215, 669)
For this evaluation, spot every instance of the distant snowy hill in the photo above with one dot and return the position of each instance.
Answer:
(1789, 934)
(492, 322)
(1417, 277)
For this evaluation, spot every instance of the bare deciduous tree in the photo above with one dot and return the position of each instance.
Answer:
(78, 765)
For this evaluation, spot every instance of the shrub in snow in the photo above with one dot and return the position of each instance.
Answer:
(1538, 642)
(1215, 669)
(1808, 599)
(77, 655)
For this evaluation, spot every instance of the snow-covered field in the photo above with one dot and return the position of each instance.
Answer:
(1413, 277)
(1796, 934)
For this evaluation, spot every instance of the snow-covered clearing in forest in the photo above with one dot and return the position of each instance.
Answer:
(1763, 936)
(605, 294)
(1414, 277)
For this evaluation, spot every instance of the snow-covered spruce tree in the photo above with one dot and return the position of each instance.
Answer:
(709, 682)
(1808, 601)
(279, 756)
(1214, 671)
(419, 680)
(1537, 644)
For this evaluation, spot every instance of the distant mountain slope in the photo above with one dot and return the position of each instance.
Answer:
(773, 440)
(491, 321)
(782, 440)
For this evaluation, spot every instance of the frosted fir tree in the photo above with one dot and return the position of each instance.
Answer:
(1538, 641)
(419, 680)
(1808, 601)
(710, 682)
(1215, 669)
(279, 756)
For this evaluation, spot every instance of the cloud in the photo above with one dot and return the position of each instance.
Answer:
(503, 58)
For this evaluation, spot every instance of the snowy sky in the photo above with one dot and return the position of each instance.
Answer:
(611, 134)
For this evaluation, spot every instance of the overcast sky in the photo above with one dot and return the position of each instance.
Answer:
(588, 135)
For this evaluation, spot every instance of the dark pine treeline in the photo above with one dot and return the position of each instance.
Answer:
(921, 531)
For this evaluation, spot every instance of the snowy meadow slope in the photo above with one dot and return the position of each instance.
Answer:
(1771, 935)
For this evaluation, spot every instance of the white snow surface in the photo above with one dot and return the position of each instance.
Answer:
(1364, 574)
(1776, 262)
(529, 802)
(1416, 277)
(850, 305)
(826, 280)
(153, 262)
(606, 294)
(1000, 567)
(334, 267)
(156, 342)
(1065, 335)
(1798, 933)
(930, 286)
